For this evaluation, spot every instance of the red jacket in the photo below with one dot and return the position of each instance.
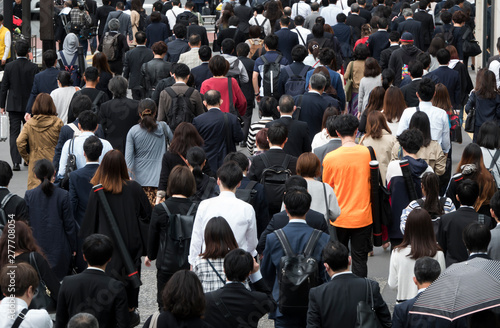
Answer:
(221, 85)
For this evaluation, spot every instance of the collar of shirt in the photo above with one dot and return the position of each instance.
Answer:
(284, 115)
(228, 194)
(425, 104)
(466, 206)
(88, 163)
(416, 79)
(180, 82)
(232, 26)
(94, 268)
(421, 290)
(297, 221)
(314, 91)
(269, 118)
(22, 303)
(141, 45)
(2, 187)
(213, 108)
(275, 147)
(478, 253)
(340, 273)
(86, 134)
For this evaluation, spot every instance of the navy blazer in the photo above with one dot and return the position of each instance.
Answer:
(356, 21)
(377, 42)
(298, 235)
(314, 219)
(261, 206)
(44, 82)
(345, 35)
(415, 28)
(79, 190)
(313, 107)
(210, 126)
(402, 319)
(200, 74)
(201, 31)
(157, 32)
(286, 41)
(298, 136)
(427, 26)
(451, 79)
(133, 63)
(410, 93)
(175, 49)
(17, 82)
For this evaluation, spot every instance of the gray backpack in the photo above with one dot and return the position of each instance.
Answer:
(110, 46)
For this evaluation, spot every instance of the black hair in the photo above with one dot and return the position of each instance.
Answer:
(330, 125)
(295, 181)
(299, 53)
(97, 249)
(468, 192)
(421, 122)
(277, 134)
(446, 17)
(268, 107)
(489, 135)
(140, 37)
(382, 22)
(476, 237)
(286, 104)
(495, 204)
(5, 173)
(181, 71)
(317, 30)
(394, 36)
(346, 125)
(80, 103)
(180, 31)
(64, 77)
(443, 56)
(297, 201)
(426, 269)
(147, 112)
(44, 171)
(424, 58)
(205, 53)
(91, 74)
(327, 58)
(237, 265)
(212, 97)
(242, 49)
(92, 148)
(157, 6)
(299, 20)
(285, 20)
(411, 140)
(336, 255)
(416, 69)
(233, 21)
(196, 156)
(22, 48)
(341, 18)
(230, 174)
(49, 58)
(238, 158)
(228, 46)
(388, 76)
(259, 9)
(426, 89)
(271, 41)
(87, 120)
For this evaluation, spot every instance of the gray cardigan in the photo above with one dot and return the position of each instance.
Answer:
(144, 152)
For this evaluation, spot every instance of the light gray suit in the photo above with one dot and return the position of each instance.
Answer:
(125, 23)
(494, 246)
(325, 149)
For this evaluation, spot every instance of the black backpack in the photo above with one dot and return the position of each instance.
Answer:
(3, 216)
(271, 73)
(273, 179)
(297, 274)
(183, 18)
(180, 228)
(247, 194)
(262, 32)
(70, 165)
(95, 103)
(448, 35)
(180, 110)
(142, 21)
(296, 84)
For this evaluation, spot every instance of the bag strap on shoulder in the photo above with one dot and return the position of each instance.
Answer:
(191, 208)
(299, 107)
(265, 159)
(20, 318)
(171, 92)
(286, 161)
(304, 71)
(289, 71)
(251, 185)
(216, 272)
(311, 243)
(326, 201)
(230, 92)
(208, 190)
(165, 207)
(278, 59)
(494, 158)
(369, 293)
(228, 131)
(189, 92)
(6, 199)
(284, 243)
(264, 59)
(372, 153)
(98, 98)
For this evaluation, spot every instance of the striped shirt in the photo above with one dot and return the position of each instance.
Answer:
(448, 208)
(252, 133)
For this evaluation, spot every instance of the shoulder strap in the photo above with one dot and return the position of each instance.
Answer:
(98, 98)
(230, 93)
(372, 153)
(218, 275)
(286, 161)
(311, 243)
(189, 92)
(250, 185)
(369, 293)
(171, 92)
(300, 35)
(165, 208)
(73, 61)
(34, 264)
(256, 21)
(191, 208)
(264, 59)
(494, 159)
(326, 200)
(228, 131)
(265, 159)
(480, 219)
(284, 243)
(235, 34)
(304, 71)
(20, 317)
(208, 190)
(63, 59)
(74, 128)
(420, 202)
(289, 71)
(5, 200)
(278, 59)
(299, 107)
(264, 21)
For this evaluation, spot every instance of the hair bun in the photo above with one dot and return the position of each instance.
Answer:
(147, 111)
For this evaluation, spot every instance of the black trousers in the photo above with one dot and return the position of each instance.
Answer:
(15, 120)
(161, 280)
(138, 93)
(360, 246)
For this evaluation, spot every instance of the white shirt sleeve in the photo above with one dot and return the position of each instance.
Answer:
(495, 68)
(63, 159)
(446, 143)
(251, 234)
(8, 43)
(197, 235)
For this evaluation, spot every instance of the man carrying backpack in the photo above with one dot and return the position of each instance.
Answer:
(80, 19)
(98, 97)
(125, 27)
(114, 45)
(268, 67)
(295, 244)
(11, 205)
(292, 79)
(179, 103)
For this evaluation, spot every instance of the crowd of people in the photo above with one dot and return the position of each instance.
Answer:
(150, 156)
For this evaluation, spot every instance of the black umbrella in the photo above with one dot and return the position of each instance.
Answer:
(464, 288)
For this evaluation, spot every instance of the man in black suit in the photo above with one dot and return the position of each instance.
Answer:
(220, 138)
(158, 6)
(355, 20)
(124, 19)
(244, 13)
(286, 38)
(364, 11)
(333, 144)
(416, 70)
(14, 206)
(477, 237)
(427, 22)
(426, 270)
(240, 304)
(46, 80)
(202, 72)
(232, 32)
(345, 35)
(298, 140)
(327, 311)
(412, 26)
(314, 219)
(133, 63)
(195, 28)
(179, 45)
(379, 41)
(385, 55)
(102, 16)
(447, 76)
(93, 291)
(454, 223)
(17, 82)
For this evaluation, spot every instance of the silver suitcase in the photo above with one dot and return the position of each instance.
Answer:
(4, 127)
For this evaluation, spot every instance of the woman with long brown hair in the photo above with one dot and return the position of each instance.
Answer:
(418, 241)
(38, 138)
(219, 240)
(394, 106)
(131, 209)
(100, 61)
(375, 102)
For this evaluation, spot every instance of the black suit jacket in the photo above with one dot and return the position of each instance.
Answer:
(314, 219)
(366, 14)
(275, 157)
(79, 190)
(200, 30)
(17, 82)
(385, 55)
(312, 109)
(235, 34)
(200, 74)
(16, 206)
(356, 21)
(427, 26)
(298, 136)
(286, 41)
(327, 311)
(244, 305)
(410, 93)
(117, 116)
(133, 63)
(450, 233)
(451, 79)
(377, 42)
(44, 82)
(402, 319)
(244, 13)
(94, 292)
(415, 28)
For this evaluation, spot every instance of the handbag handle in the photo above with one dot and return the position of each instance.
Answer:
(218, 275)
(369, 293)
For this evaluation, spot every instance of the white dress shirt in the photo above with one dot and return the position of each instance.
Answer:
(440, 125)
(33, 319)
(494, 67)
(172, 15)
(78, 151)
(240, 216)
(330, 14)
(258, 20)
(302, 34)
(300, 8)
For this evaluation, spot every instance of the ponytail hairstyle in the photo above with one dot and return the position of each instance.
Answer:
(147, 112)
(388, 76)
(44, 171)
(430, 184)
(196, 158)
(313, 48)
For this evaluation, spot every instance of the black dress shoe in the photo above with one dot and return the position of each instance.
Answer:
(25, 164)
(135, 318)
(16, 167)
